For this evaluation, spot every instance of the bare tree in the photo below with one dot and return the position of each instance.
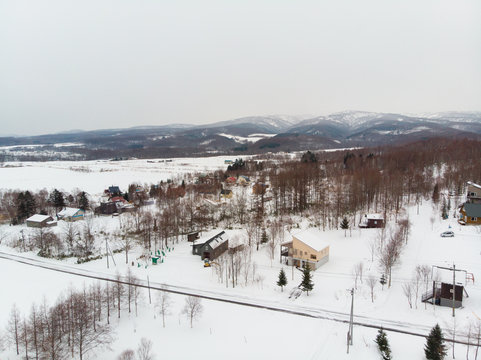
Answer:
(71, 233)
(192, 309)
(163, 304)
(424, 272)
(119, 291)
(389, 255)
(371, 282)
(128, 354)
(144, 350)
(13, 327)
(408, 290)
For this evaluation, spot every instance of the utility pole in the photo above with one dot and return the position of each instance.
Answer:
(454, 288)
(351, 321)
(107, 253)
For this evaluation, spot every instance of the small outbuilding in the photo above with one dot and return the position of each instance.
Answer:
(442, 295)
(370, 221)
(41, 221)
(211, 247)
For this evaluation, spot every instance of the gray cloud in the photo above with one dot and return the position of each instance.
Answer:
(101, 64)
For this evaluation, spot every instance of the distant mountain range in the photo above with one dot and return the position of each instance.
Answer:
(256, 134)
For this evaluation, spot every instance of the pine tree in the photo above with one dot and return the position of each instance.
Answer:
(264, 238)
(345, 225)
(282, 281)
(435, 348)
(444, 211)
(83, 201)
(436, 193)
(57, 200)
(383, 345)
(383, 280)
(307, 284)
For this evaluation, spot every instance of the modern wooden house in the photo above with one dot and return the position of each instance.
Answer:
(370, 221)
(71, 214)
(442, 294)
(211, 247)
(473, 193)
(306, 248)
(41, 221)
(470, 214)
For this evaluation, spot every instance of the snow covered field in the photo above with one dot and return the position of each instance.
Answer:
(233, 331)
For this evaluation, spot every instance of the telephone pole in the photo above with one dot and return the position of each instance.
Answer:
(351, 321)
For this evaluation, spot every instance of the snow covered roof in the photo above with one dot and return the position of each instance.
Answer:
(215, 240)
(68, 212)
(374, 216)
(39, 218)
(474, 184)
(312, 238)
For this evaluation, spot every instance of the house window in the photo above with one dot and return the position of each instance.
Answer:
(305, 253)
(295, 251)
(472, 194)
(474, 219)
(313, 257)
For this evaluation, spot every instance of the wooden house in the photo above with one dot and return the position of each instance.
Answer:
(211, 247)
(473, 193)
(243, 180)
(71, 214)
(470, 214)
(372, 221)
(442, 294)
(306, 248)
(106, 208)
(231, 180)
(41, 221)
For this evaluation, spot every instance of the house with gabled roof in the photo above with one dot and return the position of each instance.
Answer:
(71, 214)
(307, 248)
(41, 221)
(211, 247)
(470, 211)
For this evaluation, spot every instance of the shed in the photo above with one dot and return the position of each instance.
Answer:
(211, 247)
(191, 237)
(40, 221)
(442, 294)
(372, 221)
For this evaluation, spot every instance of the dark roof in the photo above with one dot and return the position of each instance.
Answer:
(114, 189)
(472, 210)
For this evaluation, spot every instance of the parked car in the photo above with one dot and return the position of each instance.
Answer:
(447, 234)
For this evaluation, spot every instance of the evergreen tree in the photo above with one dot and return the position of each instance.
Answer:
(444, 211)
(307, 284)
(282, 281)
(264, 238)
(436, 193)
(57, 200)
(383, 345)
(345, 225)
(435, 348)
(383, 280)
(83, 201)
(25, 205)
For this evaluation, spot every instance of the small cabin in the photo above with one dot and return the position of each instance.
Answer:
(191, 237)
(371, 221)
(442, 295)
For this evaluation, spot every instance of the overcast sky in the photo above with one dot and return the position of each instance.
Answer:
(94, 64)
